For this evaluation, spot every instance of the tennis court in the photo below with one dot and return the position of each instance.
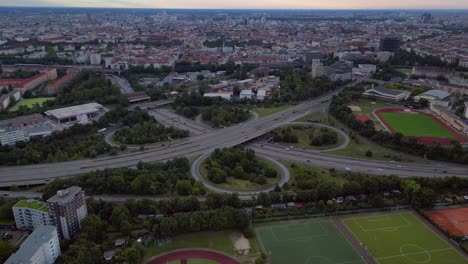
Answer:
(401, 238)
(306, 242)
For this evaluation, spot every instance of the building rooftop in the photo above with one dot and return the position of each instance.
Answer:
(437, 93)
(384, 90)
(66, 112)
(30, 246)
(64, 195)
(21, 120)
(32, 204)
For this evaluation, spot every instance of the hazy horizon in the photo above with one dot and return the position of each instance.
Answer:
(245, 4)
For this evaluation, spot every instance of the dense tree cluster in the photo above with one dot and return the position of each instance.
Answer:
(405, 58)
(76, 142)
(88, 87)
(217, 219)
(147, 179)
(340, 110)
(298, 85)
(312, 186)
(284, 134)
(318, 136)
(220, 116)
(386, 72)
(323, 137)
(148, 132)
(141, 128)
(239, 163)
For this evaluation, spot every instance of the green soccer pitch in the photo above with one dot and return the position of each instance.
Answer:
(416, 125)
(306, 242)
(401, 238)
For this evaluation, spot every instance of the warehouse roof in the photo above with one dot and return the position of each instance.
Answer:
(75, 110)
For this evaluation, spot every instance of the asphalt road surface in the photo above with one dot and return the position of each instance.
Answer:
(228, 137)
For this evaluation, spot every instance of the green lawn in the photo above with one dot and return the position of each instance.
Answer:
(358, 150)
(416, 125)
(33, 204)
(265, 111)
(308, 241)
(220, 241)
(404, 70)
(30, 102)
(245, 185)
(401, 238)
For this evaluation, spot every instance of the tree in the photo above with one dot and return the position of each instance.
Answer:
(6, 249)
(426, 198)
(328, 190)
(117, 184)
(262, 259)
(369, 153)
(410, 188)
(184, 187)
(92, 228)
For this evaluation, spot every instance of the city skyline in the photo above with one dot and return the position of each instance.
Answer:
(244, 4)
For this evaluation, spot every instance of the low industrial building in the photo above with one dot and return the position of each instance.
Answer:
(245, 94)
(81, 114)
(31, 214)
(386, 94)
(225, 96)
(22, 128)
(261, 94)
(430, 71)
(41, 247)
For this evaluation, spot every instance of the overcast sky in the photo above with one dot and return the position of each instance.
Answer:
(293, 4)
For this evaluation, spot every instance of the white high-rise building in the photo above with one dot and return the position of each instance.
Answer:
(41, 247)
(30, 214)
(95, 58)
(317, 68)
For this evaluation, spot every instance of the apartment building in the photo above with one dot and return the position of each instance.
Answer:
(31, 214)
(67, 209)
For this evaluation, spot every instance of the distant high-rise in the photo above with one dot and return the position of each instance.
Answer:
(311, 55)
(427, 18)
(391, 44)
(67, 209)
(317, 68)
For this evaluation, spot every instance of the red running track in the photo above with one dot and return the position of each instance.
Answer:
(183, 255)
(425, 140)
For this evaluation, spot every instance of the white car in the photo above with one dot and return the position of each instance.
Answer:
(348, 168)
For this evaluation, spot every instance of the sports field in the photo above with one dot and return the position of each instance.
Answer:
(30, 102)
(415, 124)
(306, 242)
(401, 238)
(453, 220)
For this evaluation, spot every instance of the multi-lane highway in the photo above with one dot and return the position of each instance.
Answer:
(228, 137)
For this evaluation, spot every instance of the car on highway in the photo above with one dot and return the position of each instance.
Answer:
(348, 169)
